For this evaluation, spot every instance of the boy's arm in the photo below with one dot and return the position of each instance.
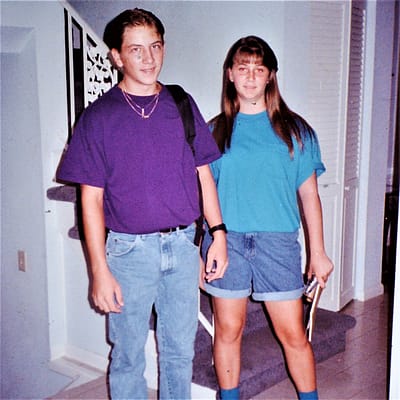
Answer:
(106, 292)
(212, 213)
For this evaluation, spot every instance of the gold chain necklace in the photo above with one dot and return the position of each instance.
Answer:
(137, 108)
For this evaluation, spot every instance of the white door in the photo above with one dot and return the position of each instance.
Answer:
(339, 74)
(352, 160)
(328, 86)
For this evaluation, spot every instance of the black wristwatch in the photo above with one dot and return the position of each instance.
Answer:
(220, 227)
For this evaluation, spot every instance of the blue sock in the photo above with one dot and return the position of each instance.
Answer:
(309, 395)
(229, 394)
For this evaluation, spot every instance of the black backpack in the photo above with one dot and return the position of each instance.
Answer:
(185, 110)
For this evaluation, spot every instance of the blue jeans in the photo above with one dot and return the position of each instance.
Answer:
(160, 269)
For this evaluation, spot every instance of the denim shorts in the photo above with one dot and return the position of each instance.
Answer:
(266, 265)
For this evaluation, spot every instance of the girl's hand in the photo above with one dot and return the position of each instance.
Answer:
(320, 266)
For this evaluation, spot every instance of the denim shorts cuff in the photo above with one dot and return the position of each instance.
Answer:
(226, 293)
(279, 296)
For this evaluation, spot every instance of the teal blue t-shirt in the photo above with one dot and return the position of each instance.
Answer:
(257, 179)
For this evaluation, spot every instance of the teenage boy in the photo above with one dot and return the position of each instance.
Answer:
(138, 181)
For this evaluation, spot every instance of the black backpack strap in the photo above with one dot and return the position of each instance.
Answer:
(185, 110)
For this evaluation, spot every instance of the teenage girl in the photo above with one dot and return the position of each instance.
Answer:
(268, 172)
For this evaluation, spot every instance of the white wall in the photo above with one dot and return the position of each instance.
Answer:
(378, 101)
(394, 392)
(30, 94)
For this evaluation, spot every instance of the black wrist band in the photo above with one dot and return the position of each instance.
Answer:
(220, 227)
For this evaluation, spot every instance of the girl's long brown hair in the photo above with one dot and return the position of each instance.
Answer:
(286, 123)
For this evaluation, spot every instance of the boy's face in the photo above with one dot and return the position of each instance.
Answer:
(141, 58)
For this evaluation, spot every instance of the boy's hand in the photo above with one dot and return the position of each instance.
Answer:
(106, 292)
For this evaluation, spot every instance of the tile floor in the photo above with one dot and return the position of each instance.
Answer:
(358, 373)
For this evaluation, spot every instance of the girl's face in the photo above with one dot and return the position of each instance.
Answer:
(141, 58)
(250, 78)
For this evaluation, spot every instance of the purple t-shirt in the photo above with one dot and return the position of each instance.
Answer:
(145, 166)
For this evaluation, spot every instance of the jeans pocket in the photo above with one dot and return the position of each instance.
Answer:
(120, 245)
(189, 234)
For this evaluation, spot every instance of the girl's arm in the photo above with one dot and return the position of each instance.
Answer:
(319, 263)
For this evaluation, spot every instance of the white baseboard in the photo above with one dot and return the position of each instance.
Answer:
(93, 360)
(369, 292)
(79, 372)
